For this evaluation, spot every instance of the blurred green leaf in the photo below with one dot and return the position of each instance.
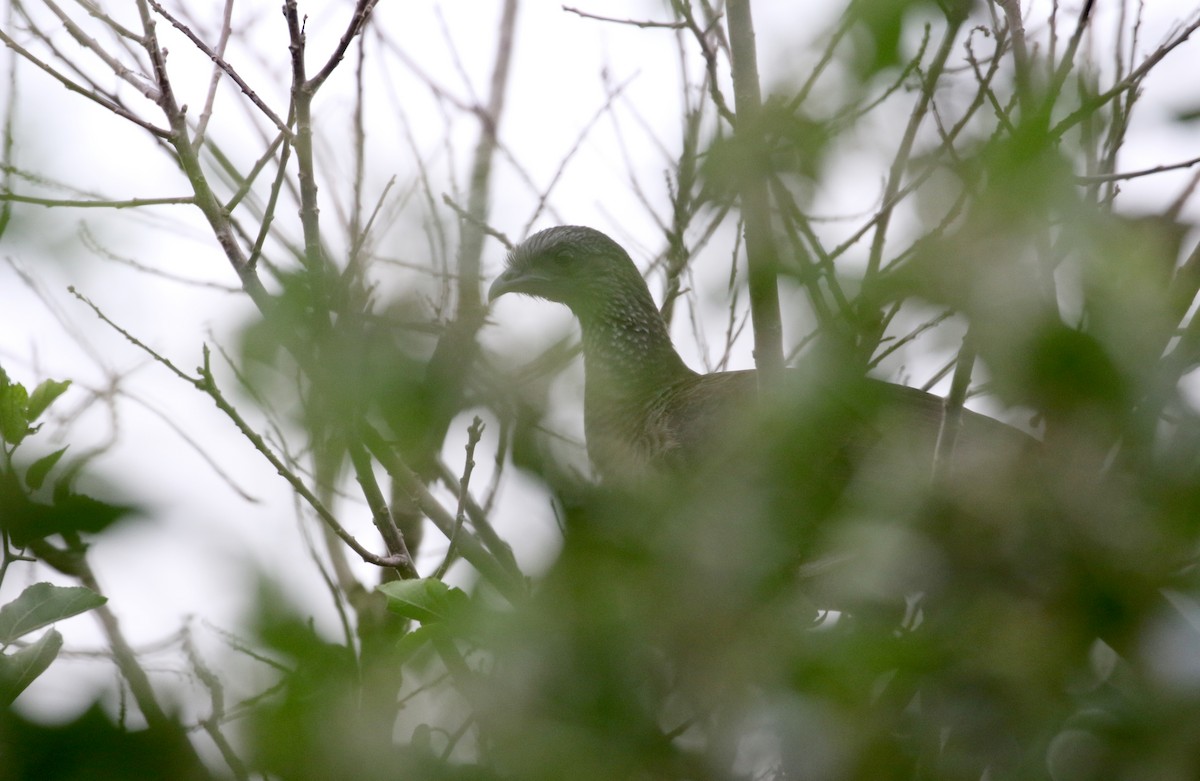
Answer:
(43, 396)
(42, 604)
(19, 669)
(91, 747)
(882, 22)
(35, 475)
(784, 142)
(14, 425)
(1186, 115)
(1069, 370)
(411, 643)
(331, 708)
(881, 27)
(25, 519)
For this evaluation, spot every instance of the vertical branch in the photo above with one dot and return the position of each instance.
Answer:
(456, 349)
(302, 93)
(303, 90)
(215, 79)
(380, 514)
(360, 146)
(6, 143)
(952, 412)
(474, 432)
(682, 209)
(1016, 29)
(762, 258)
(481, 167)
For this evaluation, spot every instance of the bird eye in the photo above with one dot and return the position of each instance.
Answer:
(561, 258)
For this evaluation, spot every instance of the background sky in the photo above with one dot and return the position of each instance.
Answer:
(211, 506)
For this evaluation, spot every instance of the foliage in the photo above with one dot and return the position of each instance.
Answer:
(23, 520)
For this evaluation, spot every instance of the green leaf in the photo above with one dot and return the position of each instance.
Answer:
(426, 600)
(13, 423)
(42, 604)
(25, 519)
(18, 670)
(43, 396)
(412, 643)
(36, 474)
(1187, 114)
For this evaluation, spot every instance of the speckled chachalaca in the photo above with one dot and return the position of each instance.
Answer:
(647, 413)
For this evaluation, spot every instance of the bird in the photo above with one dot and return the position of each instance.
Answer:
(648, 414)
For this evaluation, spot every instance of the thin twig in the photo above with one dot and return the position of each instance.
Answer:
(483, 226)
(479, 519)
(474, 432)
(118, 68)
(362, 14)
(1130, 82)
(212, 723)
(215, 80)
(301, 109)
(248, 180)
(206, 200)
(1125, 175)
(631, 22)
(269, 212)
(219, 61)
(504, 577)
(91, 95)
(131, 203)
(710, 59)
(207, 384)
(904, 152)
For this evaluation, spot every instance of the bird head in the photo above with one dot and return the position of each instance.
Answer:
(572, 265)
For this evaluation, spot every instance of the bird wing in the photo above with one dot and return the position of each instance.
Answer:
(702, 412)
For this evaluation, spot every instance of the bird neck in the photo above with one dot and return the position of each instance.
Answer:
(627, 349)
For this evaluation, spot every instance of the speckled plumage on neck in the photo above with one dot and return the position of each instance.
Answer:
(630, 364)
(630, 367)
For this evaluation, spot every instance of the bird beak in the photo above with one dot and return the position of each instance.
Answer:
(505, 283)
(514, 281)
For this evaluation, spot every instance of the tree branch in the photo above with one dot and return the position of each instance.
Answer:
(761, 254)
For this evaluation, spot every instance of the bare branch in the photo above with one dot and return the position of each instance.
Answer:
(380, 514)
(215, 81)
(505, 578)
(1129, 82)
(131, 77)
(631, 22)
(710, 59)
(762, 256)
(1125, 175)
(362, 14)
(220, 62)
(91, 95)
(464, 214)
(474, 432)
(131, 203)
